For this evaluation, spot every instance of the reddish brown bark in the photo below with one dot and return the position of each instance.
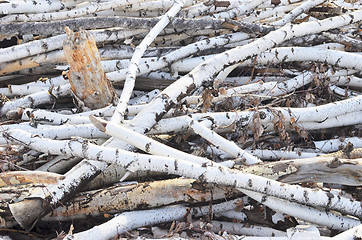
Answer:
(86, 76)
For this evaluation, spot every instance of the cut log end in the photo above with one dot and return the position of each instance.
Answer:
(27, 219)
(98, 123)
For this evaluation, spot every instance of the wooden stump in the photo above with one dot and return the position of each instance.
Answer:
(86, 76)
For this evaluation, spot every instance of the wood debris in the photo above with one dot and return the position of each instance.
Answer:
(181, 119)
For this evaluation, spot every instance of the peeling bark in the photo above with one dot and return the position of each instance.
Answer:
(313, 170)
(149, 195)
(86, 76)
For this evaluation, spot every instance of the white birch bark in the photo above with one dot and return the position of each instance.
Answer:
(40, 203)
(337, 144)
(350, 234)
(152, 5)
(66, 131)
(57, 57)
(147, 144)
(313, 115)
(56, 42)
(283, 54)
(211, 174)
(79, 12)
(60, 164)
(304, 7)
(240, 10)
(267, 154)
(34, 6)
(305, 167)
(222, 143)
(131, 220)
(309, 214)
(54, 118)
(342, 92)
(245, 229)
(234, 214)
(46, 84)
(201, 73)
(197, 9)
(177, 25)
(261, 88)
(36, 99)
(129, 84)
(351, 81)
(179, 54)
(344, 40)
(274, 12)
(335, 121)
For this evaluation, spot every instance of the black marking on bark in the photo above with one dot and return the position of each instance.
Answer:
(285, 34)
(305, 195)
(31, 100)
(235, 183)
(334, 163)
(98, 155)
(130, 163)
(176, 165)
(202, 177)
(45, 46)
(322, 120)
(266, 186)
(250, 183)
(337, 62)
(352, 18)
(147, 147)
(330, 196)
(63, 151)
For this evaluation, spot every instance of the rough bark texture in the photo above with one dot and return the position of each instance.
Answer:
(86, 76)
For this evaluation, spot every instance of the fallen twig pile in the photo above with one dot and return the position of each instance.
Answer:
(181, 119)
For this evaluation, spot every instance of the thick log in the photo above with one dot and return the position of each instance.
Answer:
(147, 195)
(321, 169)
(86, 76)
(21, 177)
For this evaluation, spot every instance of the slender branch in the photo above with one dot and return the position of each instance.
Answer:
(134, 219)
(79, 12)
(304, 7)
(227, 146)
(129, 84)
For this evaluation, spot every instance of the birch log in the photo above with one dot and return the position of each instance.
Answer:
(117, 199)
(313, 170)
(40, 203)
(211, 174)
(203, 73)
(131, 220)
(129, 84)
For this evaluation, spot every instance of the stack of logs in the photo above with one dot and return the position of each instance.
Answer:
(181, 119)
